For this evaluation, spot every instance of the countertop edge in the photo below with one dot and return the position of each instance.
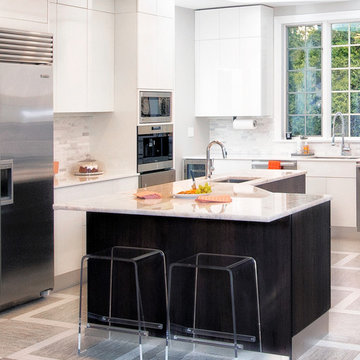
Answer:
(75, 181)
(252, 218)
(272, 157)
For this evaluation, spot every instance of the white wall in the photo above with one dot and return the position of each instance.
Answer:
(185, 92)
(318, 8)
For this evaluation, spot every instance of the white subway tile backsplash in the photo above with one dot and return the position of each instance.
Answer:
(260, 141)
(71, 140)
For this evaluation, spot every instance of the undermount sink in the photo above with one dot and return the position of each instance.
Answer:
(335, 157)
(235, 180)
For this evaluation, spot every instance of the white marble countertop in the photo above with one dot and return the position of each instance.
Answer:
(317, 157)
(249, 203)
(67, 179)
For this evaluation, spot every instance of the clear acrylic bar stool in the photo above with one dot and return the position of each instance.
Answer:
(202, 266)
(133, 257)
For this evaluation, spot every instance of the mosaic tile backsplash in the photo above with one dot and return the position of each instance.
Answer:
(71, 140)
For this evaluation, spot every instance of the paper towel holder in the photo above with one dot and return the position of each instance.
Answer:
(254, 122)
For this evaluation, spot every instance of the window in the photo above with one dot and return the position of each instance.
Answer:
(321, 73)
(345, 75)
(304, 109)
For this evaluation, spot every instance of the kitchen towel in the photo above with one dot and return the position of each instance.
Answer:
(146, 194)
(214, 199)
(274, 164)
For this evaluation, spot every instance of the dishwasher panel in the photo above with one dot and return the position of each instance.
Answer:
(263, 164)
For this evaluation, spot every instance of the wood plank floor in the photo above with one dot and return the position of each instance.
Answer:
(46, 329)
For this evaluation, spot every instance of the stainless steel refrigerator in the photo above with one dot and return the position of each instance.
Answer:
(26, 163)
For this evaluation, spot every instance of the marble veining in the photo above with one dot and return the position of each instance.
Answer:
(249, 203)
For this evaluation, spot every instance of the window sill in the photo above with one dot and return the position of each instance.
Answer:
(320, 140)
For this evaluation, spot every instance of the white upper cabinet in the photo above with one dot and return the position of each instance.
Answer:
(102, 5)
(166, 8)
(163, 8)
(34, 10)
(101, 32)
(251, 20)
(229, 24)
(147, 52)
(207, 25)
(147, 6)
(233, 61)
(77, 3)
(155, 52)
(71, 59)
(84, 59)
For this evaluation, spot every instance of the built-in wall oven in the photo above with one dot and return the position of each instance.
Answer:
(155, 154)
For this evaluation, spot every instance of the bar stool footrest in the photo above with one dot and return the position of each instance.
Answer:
(122, 321)
(90, 326)
(206, 342)
(220, 334)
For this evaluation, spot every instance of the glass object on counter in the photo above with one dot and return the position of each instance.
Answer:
(88, 167)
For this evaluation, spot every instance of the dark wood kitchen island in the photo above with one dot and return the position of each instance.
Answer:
(288, 234)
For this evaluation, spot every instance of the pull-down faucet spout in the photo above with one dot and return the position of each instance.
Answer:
(210, 162)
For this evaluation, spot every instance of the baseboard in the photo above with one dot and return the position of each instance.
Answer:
(308, 337)
(67, 280)
(340, 232)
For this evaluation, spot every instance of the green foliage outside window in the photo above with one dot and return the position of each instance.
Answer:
(345, 75)
(304, 80)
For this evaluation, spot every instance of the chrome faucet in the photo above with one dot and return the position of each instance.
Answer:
(344, 149)
(210, 162)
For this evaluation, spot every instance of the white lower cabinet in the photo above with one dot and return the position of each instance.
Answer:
(70, 226)
(343, 191)
(338, 180)
(230, 166)
(315, 185)
(69, 240)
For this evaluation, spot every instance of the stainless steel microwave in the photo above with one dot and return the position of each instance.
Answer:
(155, 107)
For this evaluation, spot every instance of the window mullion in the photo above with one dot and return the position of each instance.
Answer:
(326, 80)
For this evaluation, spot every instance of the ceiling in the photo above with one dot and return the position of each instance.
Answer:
(203, 4)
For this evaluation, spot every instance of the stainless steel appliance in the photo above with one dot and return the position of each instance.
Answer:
(26, 154)
(263, 164)
(197, 166)
(156, 178)
(155, 154)
(155, 107)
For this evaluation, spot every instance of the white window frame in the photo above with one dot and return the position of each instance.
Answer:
(280, 67)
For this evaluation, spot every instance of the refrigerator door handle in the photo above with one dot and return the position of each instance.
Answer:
(7, 183)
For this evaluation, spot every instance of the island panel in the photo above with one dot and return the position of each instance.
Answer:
(268, 243)
(293, 185)
(310, 265)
